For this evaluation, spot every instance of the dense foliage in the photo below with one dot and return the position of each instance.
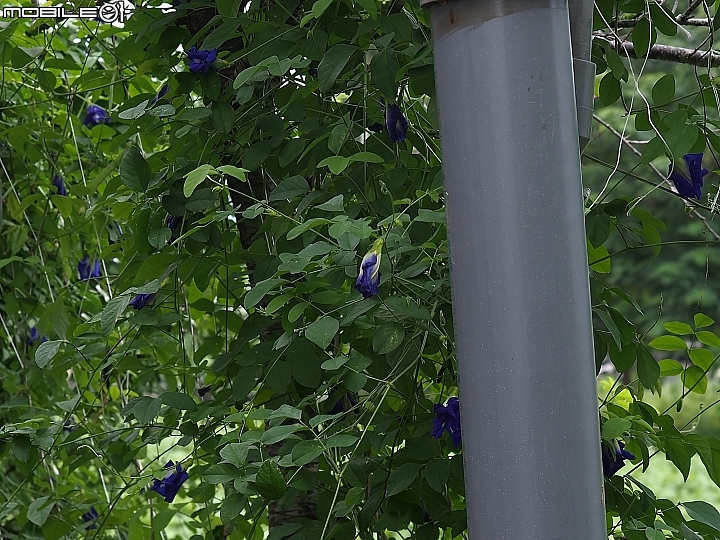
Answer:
(224, 292)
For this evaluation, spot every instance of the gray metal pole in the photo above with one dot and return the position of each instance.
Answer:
(581, 18)
(521, 301)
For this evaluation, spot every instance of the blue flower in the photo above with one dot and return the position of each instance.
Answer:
(84, 268)
(95, 116)
(57, 181)
(96, 270)
(368, 279)
(173, 222)
(169, 486)
(448, 418)
(396, 123)
(200, 60)
(33, 336)
(141, 300)
(614, 456)
(91, 516)
(163, 92)
(688, 188)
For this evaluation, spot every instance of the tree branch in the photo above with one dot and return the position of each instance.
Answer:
(666, 53)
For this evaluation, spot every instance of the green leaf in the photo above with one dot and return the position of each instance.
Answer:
(704, 513)
(134, 112)
(178, 400)
(269, 481)
(341, 441)
(231, 507)
(46, 352)
(334, 60)
(708, 338)
(319, 8)
(654, 534)
(702, 320)
(334, 363)
(388, 338)
(662, 20)
(279, 433)
(336, 164)
(694, 379)
(223, 117)
(158, 238)
(195, 177)
(668, 343)
(680, 454)
(669, 368)
(702, 358)
(111, 312)
(289, 188)
(236, 172)
(614, 427)
(679, 328)
(687, 532)
(664, 90)
(221, 34)
(437, 474)
(383, 70)
(39, 510)
(305, 226)
(146, 409)
(609, 89)
(647, 367)
(235, 453)
(258, 292)
(322, 331)
(306, 451)
(641, 37)
(221, 473)
(622, 359)
(401, 478)
(135, 172)
(333, 205)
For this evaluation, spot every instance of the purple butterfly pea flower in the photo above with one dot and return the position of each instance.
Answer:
(614, 456)
(96, 270)
(396, 123)
(169, 486)
(448, 419)
(163, 92)
(368, 279)
(173, 222)
(58, 182)
(688, 188)
(91, 516)
(141, 300)
(84, 268)
(33, 336)
(201, 60)
(96, 116)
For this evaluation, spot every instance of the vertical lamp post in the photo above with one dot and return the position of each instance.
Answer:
(521, 302)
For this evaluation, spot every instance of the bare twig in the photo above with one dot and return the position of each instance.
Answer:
(689, 11)
(666, 53)
(630, 23)
(664, 178)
